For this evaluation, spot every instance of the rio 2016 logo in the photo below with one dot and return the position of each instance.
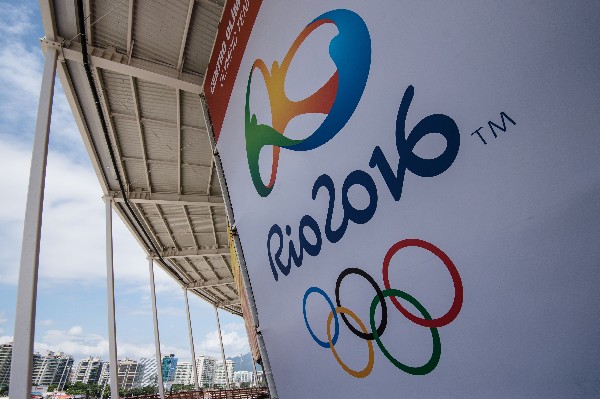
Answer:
(338, 98)
(350, 51)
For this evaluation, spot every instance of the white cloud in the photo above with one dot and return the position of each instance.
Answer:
(15, 19)
(79, 344)
(235, 341)
(4, 339)
(73, 342)
(73, 228)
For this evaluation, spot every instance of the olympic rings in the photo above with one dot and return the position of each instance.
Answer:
(337, 324)
(369, 367)
(437, 345)
(458, 288)
(365, 334)
(375, 334)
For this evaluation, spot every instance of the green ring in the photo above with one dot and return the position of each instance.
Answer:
(437, 345)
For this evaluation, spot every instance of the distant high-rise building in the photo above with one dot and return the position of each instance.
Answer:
(243, 376)
(261, 377)
(184, 374)
(205, 366)
(128, 376)
(5, 359)
(148, 371)
(168, 367)
(223, 374)
(87, 371)
(104, 374)
(52, 369)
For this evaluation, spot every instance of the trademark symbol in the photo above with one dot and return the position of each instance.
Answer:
(493, 126)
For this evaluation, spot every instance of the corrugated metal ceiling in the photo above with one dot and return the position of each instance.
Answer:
(157, 130)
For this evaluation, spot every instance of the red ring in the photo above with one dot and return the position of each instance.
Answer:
(458, 287)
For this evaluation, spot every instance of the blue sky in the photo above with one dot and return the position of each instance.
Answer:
(71, 311)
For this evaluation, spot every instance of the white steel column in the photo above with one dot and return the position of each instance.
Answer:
(161, 387)
(222, 348)
(110, 288)
(22, 355)
(189, 320)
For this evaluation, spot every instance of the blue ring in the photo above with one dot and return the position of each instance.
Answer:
(324, 344)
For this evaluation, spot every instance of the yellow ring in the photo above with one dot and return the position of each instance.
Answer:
(369, 367)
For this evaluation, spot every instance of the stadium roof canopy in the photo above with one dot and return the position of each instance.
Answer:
(147, 61)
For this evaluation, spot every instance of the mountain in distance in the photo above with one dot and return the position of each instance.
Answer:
(244, 362)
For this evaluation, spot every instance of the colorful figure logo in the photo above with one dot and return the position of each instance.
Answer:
(350, 51)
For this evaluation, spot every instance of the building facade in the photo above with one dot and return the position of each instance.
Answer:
(184, 374)
(52, 369)
(87, 371)
(128, 374)
(205, 366)
(104, 374)
(223, 374)
(168, 367)
(5, 359)
(243, 377)
(148, 371)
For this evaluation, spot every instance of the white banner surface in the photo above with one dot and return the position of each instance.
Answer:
(416, 186)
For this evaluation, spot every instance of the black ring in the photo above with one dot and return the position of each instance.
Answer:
(358, 333)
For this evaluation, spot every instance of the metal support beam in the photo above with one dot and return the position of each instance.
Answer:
(165, 162)
(161, 387)
(147, 119)
(110, 288)
(130, 28)
(167, 228)
(189, 320)
(228, 303)
(210, 175)
(136, 107)
(76, 109)
(48, 20)
(222, 348)
(179, 140)
(168, 199)
(111, 129)
(212, 283)
(185, 35)
(22, 355)
(131, 66)
(191, 226)
(190, 253)
(88, 22)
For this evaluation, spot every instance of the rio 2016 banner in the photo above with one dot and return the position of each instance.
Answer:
(416, 186)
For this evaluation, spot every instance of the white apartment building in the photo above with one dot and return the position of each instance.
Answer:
(104, 374)
(5, 359)
(223, 374)
(87, 371)
(148, 371)
(243, 376)
(206, 370)
(184, 374)
(129, 374)
(52, 369)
